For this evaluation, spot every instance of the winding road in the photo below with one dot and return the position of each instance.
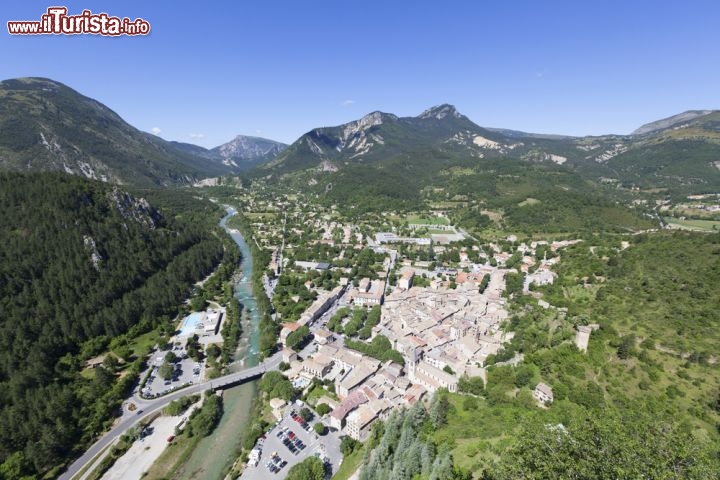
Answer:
(149, 407)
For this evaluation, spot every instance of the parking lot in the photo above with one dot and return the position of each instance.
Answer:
(289, 442)
(186, 371)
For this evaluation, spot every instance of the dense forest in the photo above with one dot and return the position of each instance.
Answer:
(82, 262)
(403, 448)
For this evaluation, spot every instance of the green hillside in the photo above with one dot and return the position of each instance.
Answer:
(643, 402)
(47, 126)
(82, 263)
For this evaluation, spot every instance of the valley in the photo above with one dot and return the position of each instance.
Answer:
(412, 294)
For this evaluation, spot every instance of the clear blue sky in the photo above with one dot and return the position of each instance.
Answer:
(279, 69)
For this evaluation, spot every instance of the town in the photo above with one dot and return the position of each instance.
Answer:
(379, 314)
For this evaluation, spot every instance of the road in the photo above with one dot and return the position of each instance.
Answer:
(148, 407)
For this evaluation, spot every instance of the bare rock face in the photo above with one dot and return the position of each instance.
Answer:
(136, 209)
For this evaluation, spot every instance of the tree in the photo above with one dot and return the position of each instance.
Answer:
(448, 369)
(166, 371)
(124, 352)
(213, 351)
(170, 357)
(439, 408)
(296, 339)
(306, 414)
(319, 428)
(110, 362)
(627, 347)
(311, 468)
(632, 445)
(470, 403)
(514, 283)
(198, 302)
(348, 445)
(275, 385)
(322, 409)
(474, 385)
(524, 375)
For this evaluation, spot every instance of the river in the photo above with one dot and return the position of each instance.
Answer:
(216, 453)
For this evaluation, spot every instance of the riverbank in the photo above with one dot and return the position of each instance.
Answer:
(215, 454)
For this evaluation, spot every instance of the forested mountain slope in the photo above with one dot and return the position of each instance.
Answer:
(81, 262)
(47, 126)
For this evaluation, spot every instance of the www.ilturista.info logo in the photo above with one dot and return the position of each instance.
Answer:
(57, 22)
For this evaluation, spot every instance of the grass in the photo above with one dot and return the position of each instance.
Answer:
(144, 343)
(477, 435)
(174, 455)
(529, 201)
(493, 215)
(437, 231)
(696, 225)
(350, 464)
(427, 220)
(447, 205)
(261, 215)
(317, 393)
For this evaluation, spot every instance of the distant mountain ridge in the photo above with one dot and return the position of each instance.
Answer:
(378, 136)
(672, 121)
(246, 151)
(47, 126)
(681, 151)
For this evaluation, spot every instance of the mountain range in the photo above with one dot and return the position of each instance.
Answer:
(45, 125)
(680, 151)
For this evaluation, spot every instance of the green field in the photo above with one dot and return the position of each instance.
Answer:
(437, 231)
(529, 201)
(696, 225)
(427, 220)
(350, 464)
(260, 215)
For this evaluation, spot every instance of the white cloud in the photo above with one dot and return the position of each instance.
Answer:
(196, 136)
(258, 131)
(347, 103)
(156, 131)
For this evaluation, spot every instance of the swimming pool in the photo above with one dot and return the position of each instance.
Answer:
(300, 382)
(190, 324)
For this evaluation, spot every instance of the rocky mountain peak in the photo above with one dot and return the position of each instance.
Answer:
(248, 150)
(441, 111)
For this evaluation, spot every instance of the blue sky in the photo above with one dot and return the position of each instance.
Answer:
(279, 69)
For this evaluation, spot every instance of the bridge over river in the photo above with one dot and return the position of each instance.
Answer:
(149, 407)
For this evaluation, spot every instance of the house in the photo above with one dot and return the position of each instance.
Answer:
(359, 421)
(318, 366)
(323, 336)
(287, 329)
(320, 306)
(406, 280)
(431, 377)
(211, 323)
(288, 355)
(355, 378)
(368, 293)
(543, 393)
(338, 415)
(312, 265)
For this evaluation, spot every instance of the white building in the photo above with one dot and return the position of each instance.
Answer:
(543, 393)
